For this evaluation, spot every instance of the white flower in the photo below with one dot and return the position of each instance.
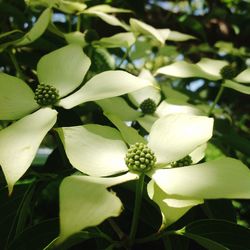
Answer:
(63, 70)
(100, 151)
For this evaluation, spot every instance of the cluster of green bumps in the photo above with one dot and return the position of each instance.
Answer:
(140, 158)
(148, 106)
(186, 161)
(46, 95)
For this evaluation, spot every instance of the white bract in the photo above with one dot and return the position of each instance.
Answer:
(100, 151)
(64, 69)
(209, 69)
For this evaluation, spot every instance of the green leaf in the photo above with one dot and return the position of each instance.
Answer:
(243, 77)
(63, 68)
(16, 98)
(37, 30)
(218, 234)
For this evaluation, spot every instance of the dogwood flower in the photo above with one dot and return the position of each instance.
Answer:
(174, 140)
(59, 73)
(212, 70)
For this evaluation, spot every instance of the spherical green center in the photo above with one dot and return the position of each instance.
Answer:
(228, 72)
(148, 106)
(140, 158)
(186, 161)
(46, 95)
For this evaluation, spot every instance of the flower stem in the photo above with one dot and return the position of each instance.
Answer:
(137, 207)
(125, 55)
(78, 24)
(19, 72)
(216, 99)
(154, 237)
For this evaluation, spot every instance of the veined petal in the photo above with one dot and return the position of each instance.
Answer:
(118, 107)
(63, 68)
(16, 98)
(94, 149)
(83, 204)
(105, 85)
(172, 208)
(175, 136)
(222, 178)
(243, 77)
(145, 29)
(184, 69)
(19, 143)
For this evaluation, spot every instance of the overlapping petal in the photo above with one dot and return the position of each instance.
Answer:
(222, 178)
(16, 98)
(19, 143)
(94, 150)
(63, 68)
(174, 136)
(172, 208)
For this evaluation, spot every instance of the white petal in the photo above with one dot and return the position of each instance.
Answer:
(19, 143)
(212, 66)
(105, 8)
(147, 121)
(166, 109)
(198, 154)
(63, 68)
(105, 85)
(75, 37)
(184, 69)
(175, 136)
(145, 29)
(125, 39)
(223, 178)
(83, 204)
(237, 86)
(16, 98)
(94, 150)
(243, 77)
(172, 208)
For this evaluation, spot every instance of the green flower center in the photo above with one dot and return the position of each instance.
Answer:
(140, 158)
(228, 72)
(46, 95)
(91, 35)
(186, 161)
(148, 106)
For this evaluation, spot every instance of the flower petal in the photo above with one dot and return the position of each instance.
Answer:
(19, 143)
(222, 178)
(184, 70)
(198, 154)
(237, 86)
(175, 136)
(243, 77)
(171, 208)
(147, 121)
(145, 29)
(63, 68)
(83, 204)
(105, 85)
(118, 107)
(75, 37)
(16, 98)
(37, 30)
(165, 109)
(94, 149)
(124, 39)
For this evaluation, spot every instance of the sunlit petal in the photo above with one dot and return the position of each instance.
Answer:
(175, 136)
(94, 150)
(19, 143)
